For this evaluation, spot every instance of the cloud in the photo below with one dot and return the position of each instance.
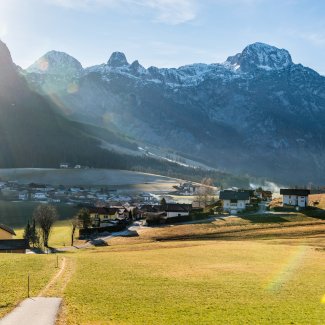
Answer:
(166, 11)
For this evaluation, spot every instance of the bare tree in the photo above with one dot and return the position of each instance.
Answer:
(45, 216)
(205, 193)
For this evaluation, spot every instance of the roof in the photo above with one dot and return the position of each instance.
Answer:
(104, 211)
(149, 208)
(174, 207)
(7, 229)
(234, 195)
(294, 191)
(13, 244)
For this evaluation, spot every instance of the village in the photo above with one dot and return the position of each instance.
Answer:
(111, 211)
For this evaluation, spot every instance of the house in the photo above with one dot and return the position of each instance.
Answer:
(13, 246)
(234, 201)
(23, 196)
(10, 245)
(104, 215)
(176, 210)
(295, 197)
(186, 189)
(6, 232)
(263, 195)
(102, 197)
(148, 198)
(39, 196)
(169, 210)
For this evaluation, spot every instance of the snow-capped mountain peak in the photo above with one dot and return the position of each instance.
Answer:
(261, 56)
(117, 59)
(56, 63)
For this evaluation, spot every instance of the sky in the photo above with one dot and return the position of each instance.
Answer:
(163, 33)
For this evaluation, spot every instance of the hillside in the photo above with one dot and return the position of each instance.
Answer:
(257, 113)
(35, 133)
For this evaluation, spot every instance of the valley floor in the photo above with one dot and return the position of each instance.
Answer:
(235, 271)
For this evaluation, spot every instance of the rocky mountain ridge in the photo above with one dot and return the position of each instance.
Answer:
(258, 112)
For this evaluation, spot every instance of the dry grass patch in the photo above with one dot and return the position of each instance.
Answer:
(237, 228)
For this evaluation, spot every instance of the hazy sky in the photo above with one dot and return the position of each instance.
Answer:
(164, 33)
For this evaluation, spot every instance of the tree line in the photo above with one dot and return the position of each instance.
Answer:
(37, 233)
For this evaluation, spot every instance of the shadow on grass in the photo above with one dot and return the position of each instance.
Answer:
(314, 212)
(266, 218)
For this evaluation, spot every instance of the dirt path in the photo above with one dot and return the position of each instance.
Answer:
(54, 279)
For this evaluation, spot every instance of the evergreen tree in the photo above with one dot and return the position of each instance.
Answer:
(27, 232)
(34, 237)
(163, 202)
(84, 219)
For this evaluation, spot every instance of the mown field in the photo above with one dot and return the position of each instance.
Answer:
(266, 269)
(14, 269)
(201, 282)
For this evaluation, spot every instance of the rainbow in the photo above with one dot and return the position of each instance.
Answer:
(285, 273)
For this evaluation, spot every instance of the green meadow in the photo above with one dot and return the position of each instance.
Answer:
(14, 270)
(206, 282)
(232, 271)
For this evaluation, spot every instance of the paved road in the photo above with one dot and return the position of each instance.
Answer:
(34, 311)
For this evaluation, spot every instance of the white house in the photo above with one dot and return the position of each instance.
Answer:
(295, 197)
(234, 201)
(176, 210)
(40, 196)
(23, 196)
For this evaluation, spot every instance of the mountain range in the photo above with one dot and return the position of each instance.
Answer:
(257, 113)
(34, 132)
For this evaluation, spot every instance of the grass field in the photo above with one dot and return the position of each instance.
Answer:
(214, 282)
(266, 269)
(14, 269)
(60, 235)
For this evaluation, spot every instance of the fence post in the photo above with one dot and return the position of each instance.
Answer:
(28, 285)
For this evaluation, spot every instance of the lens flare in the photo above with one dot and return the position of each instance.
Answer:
(72, 88)
(43, 64)
(287, 270)
(323, 300)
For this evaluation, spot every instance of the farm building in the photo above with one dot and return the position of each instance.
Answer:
(6, 232)
(10, 245)
(13, 246)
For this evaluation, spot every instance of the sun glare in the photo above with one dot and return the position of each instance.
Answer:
(323, 300)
